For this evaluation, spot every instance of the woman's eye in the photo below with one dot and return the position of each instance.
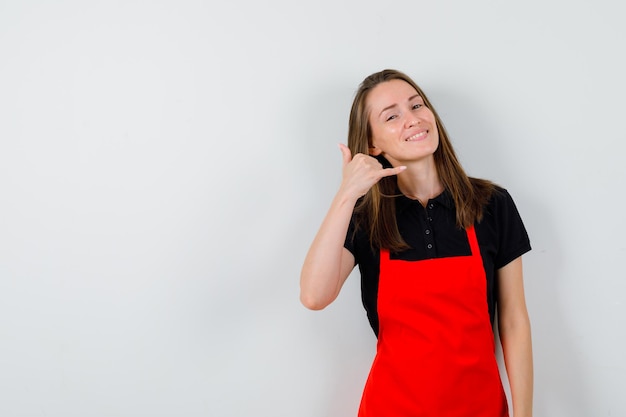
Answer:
(416, 106)
(393, 116)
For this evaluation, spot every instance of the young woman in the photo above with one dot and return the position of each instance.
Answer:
(439, 254)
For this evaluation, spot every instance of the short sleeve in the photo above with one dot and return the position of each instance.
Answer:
(512, 238)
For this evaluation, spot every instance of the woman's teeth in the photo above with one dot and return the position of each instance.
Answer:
(416, 136)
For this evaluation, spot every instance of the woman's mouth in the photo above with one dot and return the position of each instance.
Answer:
(417, 136)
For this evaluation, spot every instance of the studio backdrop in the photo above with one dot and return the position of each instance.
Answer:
(164, 166)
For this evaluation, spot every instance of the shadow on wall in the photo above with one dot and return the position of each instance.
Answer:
(560, 387)
(322, 125)
(347, 347)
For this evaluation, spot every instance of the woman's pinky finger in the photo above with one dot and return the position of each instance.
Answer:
(392, 171)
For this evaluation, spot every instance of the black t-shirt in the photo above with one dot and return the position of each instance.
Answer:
(431, 232)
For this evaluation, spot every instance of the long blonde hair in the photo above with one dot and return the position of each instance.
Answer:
(376, 210)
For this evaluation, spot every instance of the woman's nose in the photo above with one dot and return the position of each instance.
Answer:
(411, 121)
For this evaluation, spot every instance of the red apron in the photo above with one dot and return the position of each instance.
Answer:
(436, 353)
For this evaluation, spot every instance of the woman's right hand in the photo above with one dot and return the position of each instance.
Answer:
(328, 264)
(361, 172)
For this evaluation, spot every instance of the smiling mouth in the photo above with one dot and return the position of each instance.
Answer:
(417, 136)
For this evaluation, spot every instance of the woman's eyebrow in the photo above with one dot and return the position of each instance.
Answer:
(395, 105)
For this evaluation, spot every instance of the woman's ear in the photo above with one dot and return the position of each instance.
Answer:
(374, 151)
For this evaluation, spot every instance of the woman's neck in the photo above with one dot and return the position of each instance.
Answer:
(420, 181)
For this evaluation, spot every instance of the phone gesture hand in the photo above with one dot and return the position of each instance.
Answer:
(362, 171)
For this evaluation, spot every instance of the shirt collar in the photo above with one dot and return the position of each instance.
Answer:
(444, 199)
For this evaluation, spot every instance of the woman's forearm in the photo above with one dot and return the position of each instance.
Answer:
(327, 263)
(518, 358)
(515, 336)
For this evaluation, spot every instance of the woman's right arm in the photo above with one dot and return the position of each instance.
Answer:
(328, 264)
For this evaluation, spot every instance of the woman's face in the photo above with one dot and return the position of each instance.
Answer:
(403, 129)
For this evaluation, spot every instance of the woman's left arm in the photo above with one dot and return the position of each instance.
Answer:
(514, 328)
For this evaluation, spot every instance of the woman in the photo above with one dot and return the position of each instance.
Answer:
(438, 253)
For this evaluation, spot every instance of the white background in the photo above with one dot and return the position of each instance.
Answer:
(164, 166)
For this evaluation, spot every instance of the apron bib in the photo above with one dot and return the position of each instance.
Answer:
(436, 351)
